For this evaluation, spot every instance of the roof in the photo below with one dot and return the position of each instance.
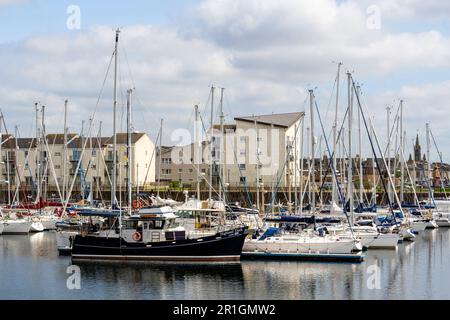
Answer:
(73, 139)
(284, 120)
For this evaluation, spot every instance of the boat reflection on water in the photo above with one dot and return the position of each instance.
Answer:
(165, 280)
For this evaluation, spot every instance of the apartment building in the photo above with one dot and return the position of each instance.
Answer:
(264, 146)
(21, 157)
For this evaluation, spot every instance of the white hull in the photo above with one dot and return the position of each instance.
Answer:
(16, 227)
(49, 224)
(379, 241)
(36, 227)
(432, 224)
(443, 223)
(419, 226)
(407, 235)
(302, 245)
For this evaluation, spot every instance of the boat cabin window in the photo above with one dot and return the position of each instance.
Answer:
(131, 224)
(153, 224)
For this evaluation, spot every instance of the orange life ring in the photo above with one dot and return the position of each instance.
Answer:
(137, 236)
(137, 204)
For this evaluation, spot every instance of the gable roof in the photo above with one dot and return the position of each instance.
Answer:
(284, 120)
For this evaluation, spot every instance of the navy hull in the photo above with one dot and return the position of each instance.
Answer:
(225, 246)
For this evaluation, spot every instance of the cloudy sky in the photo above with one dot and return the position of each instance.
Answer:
(266, 53)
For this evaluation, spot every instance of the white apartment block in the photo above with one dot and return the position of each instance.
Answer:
(20, 160)
(267, 146)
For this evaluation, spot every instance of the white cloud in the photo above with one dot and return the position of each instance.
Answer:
(262, 51)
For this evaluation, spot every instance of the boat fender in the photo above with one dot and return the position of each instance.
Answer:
(137, 204)
(137, 236)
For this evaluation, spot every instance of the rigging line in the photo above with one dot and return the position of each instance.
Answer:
(89, 132)
(341, 195)
(151, 160)
(374, 153)
(340, 134)
(17, 169)
(442, 163)
(280, 177)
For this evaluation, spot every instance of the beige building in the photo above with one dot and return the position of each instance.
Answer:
(262, 146)
(20, 159)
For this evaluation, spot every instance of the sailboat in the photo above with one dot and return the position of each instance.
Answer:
(306, 243)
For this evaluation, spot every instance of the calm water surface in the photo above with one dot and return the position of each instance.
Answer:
(30, 268)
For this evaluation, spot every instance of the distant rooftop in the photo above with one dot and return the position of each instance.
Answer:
(284, 120)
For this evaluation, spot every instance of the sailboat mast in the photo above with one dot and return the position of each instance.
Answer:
(350, 160)
(160, 157)
(44, 171)
(313, 148)
(361, 173)
(211, 162)
(38, 164)
(402, 156)
(222, 150)
(388, 116)
(335, 136)
(64, 159)
(257, 165)
(114, 169)
(429, 174)
(197, 151)
(129, 152)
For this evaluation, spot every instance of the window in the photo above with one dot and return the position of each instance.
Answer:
(57, 154)
(180, 170)
(57, 167)
(167, 171)
(191, 170)
(243, 139)
(242, 167)
(243, 152)
(243, 180)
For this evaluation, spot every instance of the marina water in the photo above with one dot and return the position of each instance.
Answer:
(31, 269)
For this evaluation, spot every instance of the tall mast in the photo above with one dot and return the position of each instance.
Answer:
(388, 115)
(302, 164)
(222, 150)
(160, 156)
(114, 169)
(81, 167)
(44, 171)
(197, 151)
(91, 150)
(38, 164)
(129, 151)
(374, 181)
(350, 160)
(16, 165)
(308, 152)
(313, 148)
(361, 174)
(257, 165)
(211, 145)
(402, 155)
(429, 173)
(335, 136)
(64, 158)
